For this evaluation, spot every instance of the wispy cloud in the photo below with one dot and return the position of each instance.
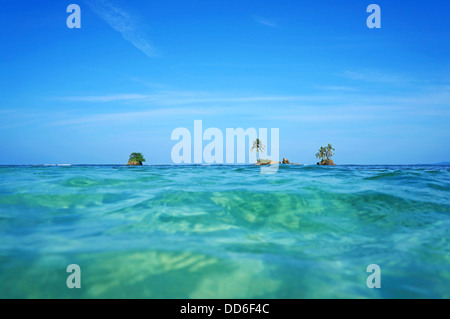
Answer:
(121, 117)
(188, 97)
(326, 117)
(125, 23)
(431, 95)
(336, 88)
(104, 98)
(266, 22)
(348, 106)
(376, 76)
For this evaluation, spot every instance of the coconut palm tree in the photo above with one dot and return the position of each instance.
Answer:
(136, 158)
(329, 151)
(259, 147)
(322, 153)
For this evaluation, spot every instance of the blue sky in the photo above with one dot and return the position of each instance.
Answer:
(136, 70)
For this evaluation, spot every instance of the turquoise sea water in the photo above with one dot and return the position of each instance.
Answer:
(224, 231)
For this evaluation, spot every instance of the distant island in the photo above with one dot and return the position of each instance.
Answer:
(324, 154)
(270, 162)
(136, 159)
(259, 147)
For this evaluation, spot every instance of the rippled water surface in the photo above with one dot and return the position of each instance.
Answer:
(224, 231)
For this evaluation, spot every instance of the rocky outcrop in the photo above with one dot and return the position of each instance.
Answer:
(266, 162)
(286, 161)
(134, 163)
(269, 162)
(326, 162)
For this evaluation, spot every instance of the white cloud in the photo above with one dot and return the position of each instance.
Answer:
(266, 22)
(337, 88)
(188, 97)
(125, 23)
(348, 105)
(120, 117)
(376, 76)
(104, 98)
